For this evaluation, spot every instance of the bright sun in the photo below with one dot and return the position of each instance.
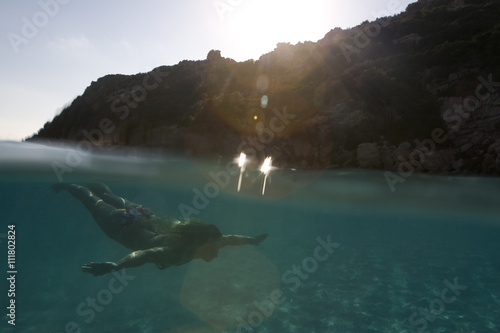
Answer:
(258, 25)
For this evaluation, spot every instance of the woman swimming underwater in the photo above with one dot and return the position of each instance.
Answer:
(153, 240)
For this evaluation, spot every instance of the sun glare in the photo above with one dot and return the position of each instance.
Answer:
(259, 25)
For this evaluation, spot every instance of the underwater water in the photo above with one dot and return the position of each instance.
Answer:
(345, 252)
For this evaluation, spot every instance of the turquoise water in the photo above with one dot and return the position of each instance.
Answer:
(345, 253)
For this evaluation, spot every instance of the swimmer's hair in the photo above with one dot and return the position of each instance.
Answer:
(198, 229)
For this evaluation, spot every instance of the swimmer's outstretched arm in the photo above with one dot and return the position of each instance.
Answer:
(235, 240)
(162, 255)
(134, 259)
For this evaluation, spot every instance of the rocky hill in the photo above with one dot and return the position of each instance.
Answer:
(416, 92)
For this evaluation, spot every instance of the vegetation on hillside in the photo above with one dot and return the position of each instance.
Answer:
(373, 83)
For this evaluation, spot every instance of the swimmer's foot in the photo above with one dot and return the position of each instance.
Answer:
(99, 268)
(99, 188)
(258, 239)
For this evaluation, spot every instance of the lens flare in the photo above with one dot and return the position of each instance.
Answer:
(263, 102)
(265, 169)
(242, 160)
(241, 164)
(266, 166)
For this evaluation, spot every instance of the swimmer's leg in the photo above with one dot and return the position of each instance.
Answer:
(104, 192)
(107, 217)
(83, 194)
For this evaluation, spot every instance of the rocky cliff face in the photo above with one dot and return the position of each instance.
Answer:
(469, 143)
(417, 92)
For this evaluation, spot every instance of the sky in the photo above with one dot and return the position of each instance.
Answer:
(51, 50)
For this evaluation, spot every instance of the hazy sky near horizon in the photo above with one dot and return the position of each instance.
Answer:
(51, 50)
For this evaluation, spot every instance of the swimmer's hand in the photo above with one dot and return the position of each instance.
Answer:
(99, 268)
(258, 239)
